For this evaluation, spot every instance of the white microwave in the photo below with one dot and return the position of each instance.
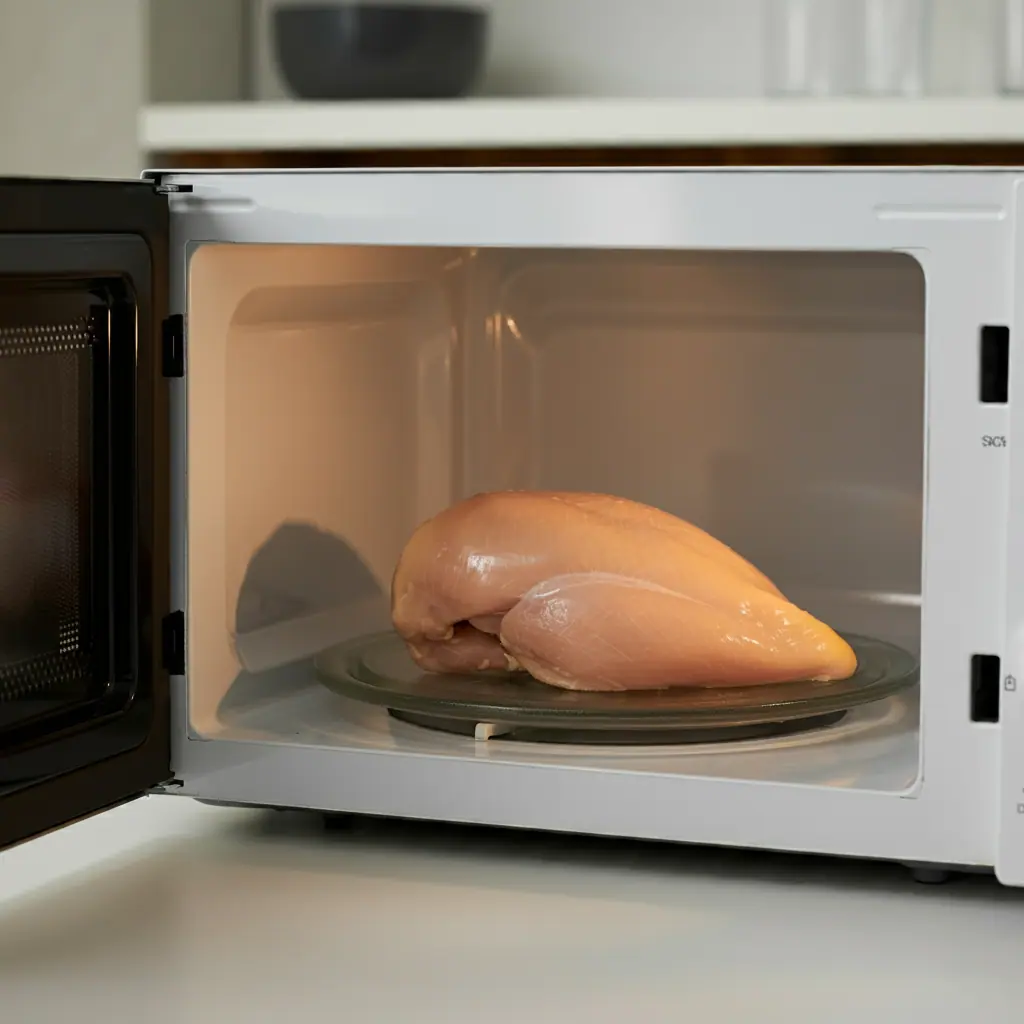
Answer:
(229, 398)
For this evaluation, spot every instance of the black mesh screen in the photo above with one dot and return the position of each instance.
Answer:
(46, 496)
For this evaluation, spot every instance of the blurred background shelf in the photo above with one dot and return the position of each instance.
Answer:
(587, 122)
(189, 82)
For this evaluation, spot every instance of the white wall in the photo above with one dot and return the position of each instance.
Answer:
(197, 50)
(609, 48)
(687, 47)
(71, 84)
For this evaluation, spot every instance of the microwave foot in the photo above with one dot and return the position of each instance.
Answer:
(928, 874)
(338, 821)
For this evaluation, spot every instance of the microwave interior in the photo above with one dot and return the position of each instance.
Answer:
(339, 395)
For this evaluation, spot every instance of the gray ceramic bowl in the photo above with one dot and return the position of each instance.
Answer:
(369, 51)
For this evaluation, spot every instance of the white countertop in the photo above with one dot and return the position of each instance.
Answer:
(488, 123)
(167, 911)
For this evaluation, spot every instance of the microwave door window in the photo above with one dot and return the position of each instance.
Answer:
(49, 658)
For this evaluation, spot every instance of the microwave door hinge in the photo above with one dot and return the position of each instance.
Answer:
(173, 651)
(174, 346)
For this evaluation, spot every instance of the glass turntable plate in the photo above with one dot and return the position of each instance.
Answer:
(377, 669)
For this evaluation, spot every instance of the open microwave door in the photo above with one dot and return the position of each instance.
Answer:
(84, 703)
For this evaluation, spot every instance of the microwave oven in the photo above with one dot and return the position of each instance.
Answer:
(227, 399)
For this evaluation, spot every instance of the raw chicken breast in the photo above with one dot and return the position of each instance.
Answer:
(592, 592)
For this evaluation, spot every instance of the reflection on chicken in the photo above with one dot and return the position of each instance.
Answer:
(593, 592)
